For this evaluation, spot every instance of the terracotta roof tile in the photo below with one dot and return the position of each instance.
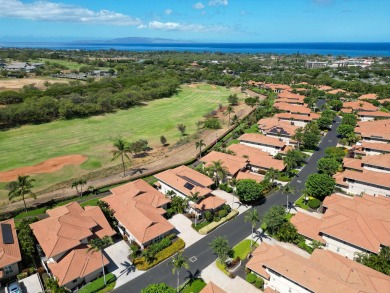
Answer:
(307, 226)
(376, 114)
(210, 202)
(351, 163)
(77, 263)
(274, 126)
(374, 129)
(181, 176)
(67, 226)
(325, 88)
(262, 139)
(249, 175)
(9, 253)
(143, 218)
(368, 97)
(376, 146)
(232, 163)
(256, 157)
(212, 288)
(336, 91)
(360, 106)
(294, 109)
(294, 117)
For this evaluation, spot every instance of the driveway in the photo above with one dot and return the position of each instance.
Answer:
(184, 229)
(31, 284)
(229, 200)
(120, 265)
(236, 285)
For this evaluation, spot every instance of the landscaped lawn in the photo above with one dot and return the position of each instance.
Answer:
(31, 213)
(98, 285)
(300, 202)
(253, 129)
(194, 287)
(93, 137)
(243, 248)
(91, 202)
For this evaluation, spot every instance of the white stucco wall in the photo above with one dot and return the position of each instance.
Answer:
(283, 285)
(372, 168)
(359, 187)
(341, 247)
(269, 149)
(283, 138)
(296, 122)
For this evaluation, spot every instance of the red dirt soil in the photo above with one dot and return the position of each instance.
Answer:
(48, 166)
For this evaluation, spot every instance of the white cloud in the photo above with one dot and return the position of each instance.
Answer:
(53, 11)
(198, 5)
(218, 2)
(175, 26)
(168, 11)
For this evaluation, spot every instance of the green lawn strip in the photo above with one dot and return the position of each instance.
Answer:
(193, 287)
(253, 129)
(289, 216)
(91, 202)
(31, 213)
(243, 248)
(93, 136)
(300, 202)
(212, 226)
(98, 284)
(221, 267)
(233, 141)
(200, 225)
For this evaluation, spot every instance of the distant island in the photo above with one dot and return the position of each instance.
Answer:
(133, 40)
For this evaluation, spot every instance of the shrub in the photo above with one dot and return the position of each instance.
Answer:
(251, 278)
(162, 244)
(142, 265)
(22, 275)
(314, 203)
(209, 216)
(212, 123)
(222, 213)
(217, 218)
(302, 244)
(259, 283)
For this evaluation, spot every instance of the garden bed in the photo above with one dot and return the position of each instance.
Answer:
(212, 226)
(98, 285)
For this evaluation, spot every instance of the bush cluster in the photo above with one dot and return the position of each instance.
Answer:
(158, 246)
(216, 216)
(225, 187)
(314, 203)
(254, 280)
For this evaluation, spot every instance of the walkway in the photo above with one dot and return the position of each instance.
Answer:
(185, 231)
(231, 200)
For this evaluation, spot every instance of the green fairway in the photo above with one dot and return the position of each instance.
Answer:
(32, 144)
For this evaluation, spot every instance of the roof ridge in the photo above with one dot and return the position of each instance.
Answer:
(68, 267)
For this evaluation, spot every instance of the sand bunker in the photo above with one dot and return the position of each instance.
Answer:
(48, 166)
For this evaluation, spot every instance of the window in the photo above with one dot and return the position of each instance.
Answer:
(8, 270)
(74, 281)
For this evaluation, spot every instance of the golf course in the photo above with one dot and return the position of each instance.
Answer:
(93, 137)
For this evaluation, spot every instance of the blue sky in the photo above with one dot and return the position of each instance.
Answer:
(198, 20)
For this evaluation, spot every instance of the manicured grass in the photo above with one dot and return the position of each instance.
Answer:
(289, 216)
(243, 248)
(93, 137)
(98, 285)
(194, 287)
(233, 141)
(91, 202)
(201, 225)
(221, 267)
(253, 129)
(300, 202)
(31, 213)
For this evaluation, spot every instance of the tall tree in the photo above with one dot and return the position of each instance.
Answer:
(198, 145)
(181, 128)
(271, 174)
(122, 149)
(253, 217)
(75, 184)
(220, 246)
(82, 182)
(219, 170)
(98, 244)
(287, 190)
(178, 262)
(20, 188)
(229, 111)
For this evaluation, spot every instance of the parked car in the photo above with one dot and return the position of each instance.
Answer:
(14, 288)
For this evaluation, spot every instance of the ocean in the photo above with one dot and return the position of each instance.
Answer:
(336, 49)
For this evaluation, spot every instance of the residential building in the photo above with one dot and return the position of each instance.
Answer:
(277, 88)
(360, 106)
(370, 148)
(212, 288)
(273, 127)
(296, 119)
(232, 163)
(379, 163)
(139, 209)
(10, 255)
(186, 183)
(293, 109)
(316, 64)
(349, 225)
(374, 131)
(370, 116)
(265, 143)
(323, 272)
(324, 88)
(258, 161)
(290, 98)
(336, 91)
(368, 182)
(63, 238)
(368, 97)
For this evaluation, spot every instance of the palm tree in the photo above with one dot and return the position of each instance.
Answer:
(75, 184)
(229, 111)
(199, 144)
(235, 119)
(53, 287)
(272, 174)
(252, 217)
(287, 189)
(170, 193)
(98, 244)
(82, 182)
(233, 183)
(194, 197)
(178, 261)
(122, 148)
(298, 136)
(219, 170)
(21, 188)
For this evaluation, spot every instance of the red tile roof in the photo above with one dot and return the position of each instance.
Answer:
(262, 139)
(67, 226)
(374, 129)
(360, 106)
(274, 126)
(212, 288)
(368, 97)
(9, 253)
(294, 109)
(232, 163)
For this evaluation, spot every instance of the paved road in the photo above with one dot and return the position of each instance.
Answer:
(235, 230)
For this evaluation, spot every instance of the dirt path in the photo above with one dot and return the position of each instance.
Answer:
(173, 157)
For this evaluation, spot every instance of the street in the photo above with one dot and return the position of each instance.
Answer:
(200, 254)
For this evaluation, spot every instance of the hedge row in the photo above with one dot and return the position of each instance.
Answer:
(142, 265)
(98, 284)
(212, 226)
